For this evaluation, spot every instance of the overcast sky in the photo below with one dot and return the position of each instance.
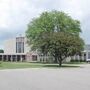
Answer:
(16, 14)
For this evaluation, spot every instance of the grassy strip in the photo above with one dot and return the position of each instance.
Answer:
(17, 65)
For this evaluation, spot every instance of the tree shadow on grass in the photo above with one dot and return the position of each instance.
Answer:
(63, 66)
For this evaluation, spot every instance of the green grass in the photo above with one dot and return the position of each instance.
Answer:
(77, 63)
(17, 65)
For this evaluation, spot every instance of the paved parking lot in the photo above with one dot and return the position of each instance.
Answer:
(46, 79)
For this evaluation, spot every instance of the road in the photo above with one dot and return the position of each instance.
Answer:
(46, 79)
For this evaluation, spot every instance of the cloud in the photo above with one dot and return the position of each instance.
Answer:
(16, 14)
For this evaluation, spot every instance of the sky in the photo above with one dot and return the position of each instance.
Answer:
(16, 14)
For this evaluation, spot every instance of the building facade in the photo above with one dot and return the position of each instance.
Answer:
(85, 55)
(87, 52)
(17, 49)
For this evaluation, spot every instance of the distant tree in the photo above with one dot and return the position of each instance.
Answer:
(1, 51)
(55, 33)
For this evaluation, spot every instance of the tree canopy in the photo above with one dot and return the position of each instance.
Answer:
(1, 51)
(55, 33)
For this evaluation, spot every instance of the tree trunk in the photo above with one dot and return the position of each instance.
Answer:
(60, 63)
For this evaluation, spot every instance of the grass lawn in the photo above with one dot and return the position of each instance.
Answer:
(16, 65)
(77, 63)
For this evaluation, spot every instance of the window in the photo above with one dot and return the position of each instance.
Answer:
(34, 57)
(19, 45)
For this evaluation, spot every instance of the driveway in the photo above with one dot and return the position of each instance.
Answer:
(46, 79)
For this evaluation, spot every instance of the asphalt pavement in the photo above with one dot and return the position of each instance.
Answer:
(46, 79)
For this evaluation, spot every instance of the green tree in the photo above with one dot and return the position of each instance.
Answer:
(52, 30)
(1, 51)
(60, 45)
(54, 21)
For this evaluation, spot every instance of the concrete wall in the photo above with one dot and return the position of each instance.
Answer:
(10, 46)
